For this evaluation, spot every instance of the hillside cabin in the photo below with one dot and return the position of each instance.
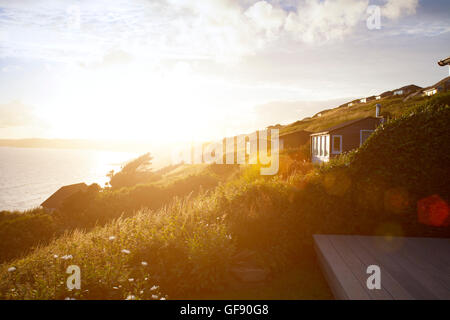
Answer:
(294, 140)
(342, 138)
(430, 92)
(378, 97)
(406, 90)
(365, 100)
(56, 200)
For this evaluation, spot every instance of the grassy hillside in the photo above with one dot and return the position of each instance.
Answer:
(389, 187)
(21, 231)
(391, 107)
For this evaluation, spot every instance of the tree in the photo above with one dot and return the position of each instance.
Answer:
(135, 172)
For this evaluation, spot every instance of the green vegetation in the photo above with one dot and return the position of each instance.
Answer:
(392, 107)
(21, 232)
(189, 244)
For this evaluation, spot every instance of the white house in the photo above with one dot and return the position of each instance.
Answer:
(398, 93)
(430, 92)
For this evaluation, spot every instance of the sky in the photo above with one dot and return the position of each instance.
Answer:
(183, 70)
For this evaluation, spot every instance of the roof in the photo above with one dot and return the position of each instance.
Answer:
(55, 200)
(342, 125)
(444, 62)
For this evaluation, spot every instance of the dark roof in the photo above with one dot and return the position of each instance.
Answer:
(343, 125)
(444, 62)
(56, 200)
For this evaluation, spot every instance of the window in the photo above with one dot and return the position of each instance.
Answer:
(316, 149)
(327, 145)
(337, 144)
(320, 145)
(364, 135)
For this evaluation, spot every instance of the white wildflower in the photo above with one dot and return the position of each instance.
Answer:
(115, 288)
(67, 257)
(154, 288)
(12, 269)
(154, 296)
(126, 251)
(131, 297)
(163, 298)
(55, 256)
(142, 291)
(131, 279)
(112, 238)
(144, 263)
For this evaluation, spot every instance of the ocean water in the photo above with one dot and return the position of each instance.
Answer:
(29, 176)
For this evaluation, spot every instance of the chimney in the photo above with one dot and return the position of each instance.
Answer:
(378, 110)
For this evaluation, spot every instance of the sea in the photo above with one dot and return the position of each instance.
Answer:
(29, 176)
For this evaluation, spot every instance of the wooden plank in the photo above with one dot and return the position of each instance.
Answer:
(342, 281)
(423, 254)
(357, 267)
(388, 282)
(399, 271)
(437, 250)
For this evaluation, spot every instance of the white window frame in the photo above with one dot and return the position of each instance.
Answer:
(332, 144)
(360, 135)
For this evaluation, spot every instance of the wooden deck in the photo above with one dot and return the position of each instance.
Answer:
(411, 268)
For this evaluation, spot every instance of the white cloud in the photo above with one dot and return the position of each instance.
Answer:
(395, 9)
(205, 29)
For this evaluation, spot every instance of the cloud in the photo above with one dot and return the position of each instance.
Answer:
(16, 114)
(215, 30)
(395, 9)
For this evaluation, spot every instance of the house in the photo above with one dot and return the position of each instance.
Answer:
(441, 86)
(294, 139)
(342, 138)
(56, 200)
(406, 90)
(430, 92)
(378, 97)
(365, 100)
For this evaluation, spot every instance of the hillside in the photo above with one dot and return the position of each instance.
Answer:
(189, 248)
(391, 106)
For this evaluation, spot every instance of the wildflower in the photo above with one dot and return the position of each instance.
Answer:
(131, 279)
(144, 263)
(131, 297)
(154, 288)
(126, 251)
(162, 298)
(142, 292)
(112, 238)
(115, 288)
(55, 256)
(12, 269)
(154, 296)
(67, 257)
(145, 279)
